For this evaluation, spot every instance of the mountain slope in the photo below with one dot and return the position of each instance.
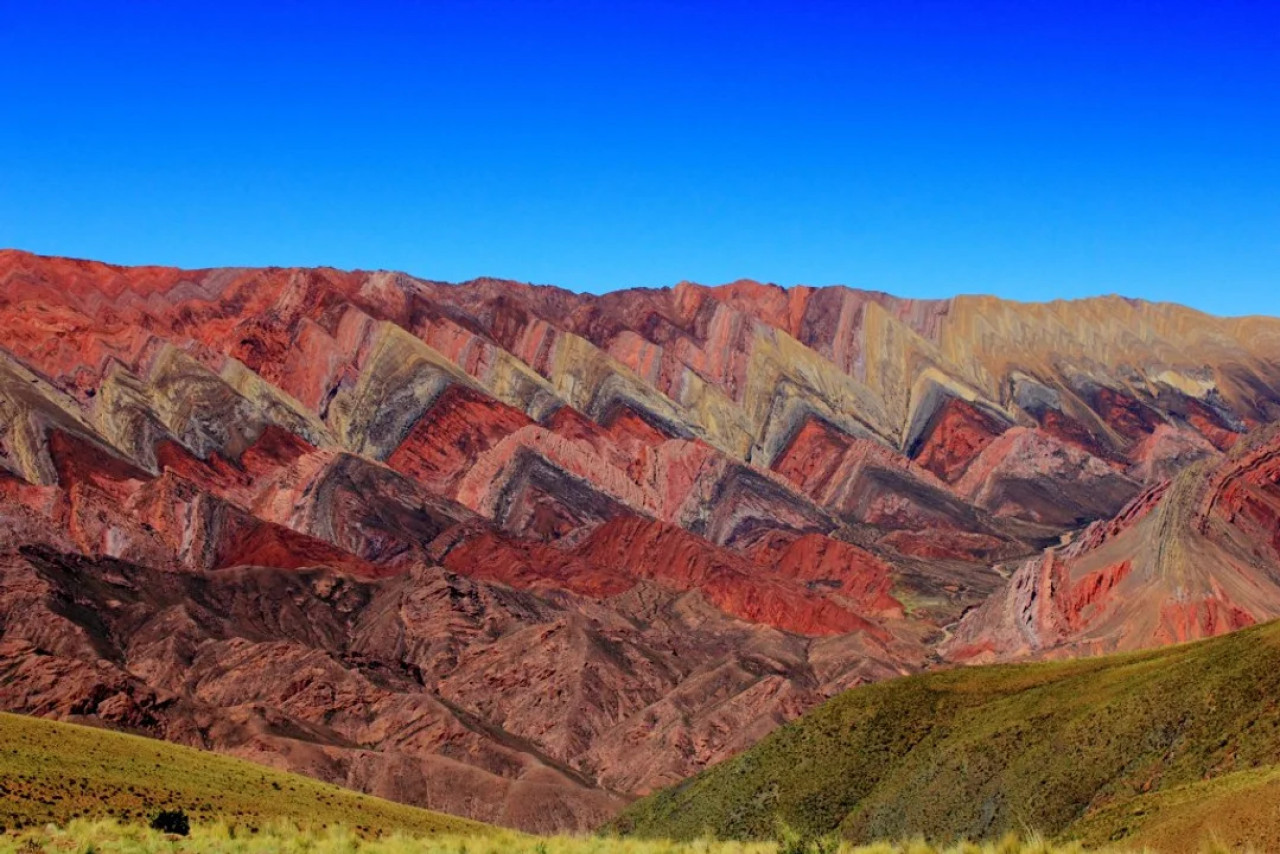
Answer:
(53, 772)
(1192, 557)
(978, 751)
(1235, 812)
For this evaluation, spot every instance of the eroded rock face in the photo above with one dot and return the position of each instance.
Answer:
(520, 554)
(1186, 559)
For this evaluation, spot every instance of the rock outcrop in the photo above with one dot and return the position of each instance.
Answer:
(1188, 558)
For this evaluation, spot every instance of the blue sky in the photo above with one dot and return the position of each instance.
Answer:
(1031, 149)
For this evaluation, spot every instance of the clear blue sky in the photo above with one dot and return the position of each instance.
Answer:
(1029, 149)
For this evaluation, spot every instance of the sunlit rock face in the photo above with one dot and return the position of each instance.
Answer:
(518, 553)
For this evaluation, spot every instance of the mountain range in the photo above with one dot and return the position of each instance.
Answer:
(522, 555)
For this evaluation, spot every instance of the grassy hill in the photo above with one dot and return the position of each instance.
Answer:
(1238, 811)
(79, 789)
(1059, 748)
(54, 772)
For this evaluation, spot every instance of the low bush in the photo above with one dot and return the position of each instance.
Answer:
(172, 821)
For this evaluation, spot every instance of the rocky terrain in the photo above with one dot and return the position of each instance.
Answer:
(1192, 557)
(521, 554)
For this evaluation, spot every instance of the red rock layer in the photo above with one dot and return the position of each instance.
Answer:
(959, 433)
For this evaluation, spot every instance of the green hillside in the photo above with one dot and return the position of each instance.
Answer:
(54, 772)
(975, 752)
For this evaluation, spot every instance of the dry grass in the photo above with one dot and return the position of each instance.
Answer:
(111, 837)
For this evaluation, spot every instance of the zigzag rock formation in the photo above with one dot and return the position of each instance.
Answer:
(522, 554)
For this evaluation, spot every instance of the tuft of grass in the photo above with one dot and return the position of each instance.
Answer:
(111, 837)
(978, 752)
(56, 773)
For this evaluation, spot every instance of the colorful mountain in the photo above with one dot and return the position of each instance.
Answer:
(522, 554)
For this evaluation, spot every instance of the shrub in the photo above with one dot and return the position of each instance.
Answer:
(172, 821)
(790, 841)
